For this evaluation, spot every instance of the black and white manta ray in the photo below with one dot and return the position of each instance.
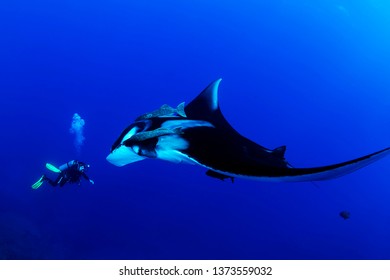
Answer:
(199, 134)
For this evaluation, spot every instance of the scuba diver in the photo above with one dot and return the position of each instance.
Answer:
(70, 172)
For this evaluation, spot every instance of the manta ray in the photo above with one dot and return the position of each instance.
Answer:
(198, 133)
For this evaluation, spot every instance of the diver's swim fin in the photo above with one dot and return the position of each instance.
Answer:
(38, 183)
(51, 167)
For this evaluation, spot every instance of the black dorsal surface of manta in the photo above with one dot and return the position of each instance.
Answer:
(201, 135)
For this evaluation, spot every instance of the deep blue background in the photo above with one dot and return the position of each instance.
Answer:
(313, 75)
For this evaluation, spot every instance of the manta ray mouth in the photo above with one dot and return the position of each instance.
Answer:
(123, 155)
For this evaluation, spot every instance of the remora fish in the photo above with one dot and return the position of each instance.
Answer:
(207, 139)
(165, 111)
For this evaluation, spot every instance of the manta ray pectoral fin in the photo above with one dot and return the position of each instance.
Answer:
(206, 103)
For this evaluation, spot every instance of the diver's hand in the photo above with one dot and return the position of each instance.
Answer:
(91, 181)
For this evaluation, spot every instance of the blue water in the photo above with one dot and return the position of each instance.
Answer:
(312, 75)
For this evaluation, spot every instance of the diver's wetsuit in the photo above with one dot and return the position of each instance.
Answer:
(71, 172)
